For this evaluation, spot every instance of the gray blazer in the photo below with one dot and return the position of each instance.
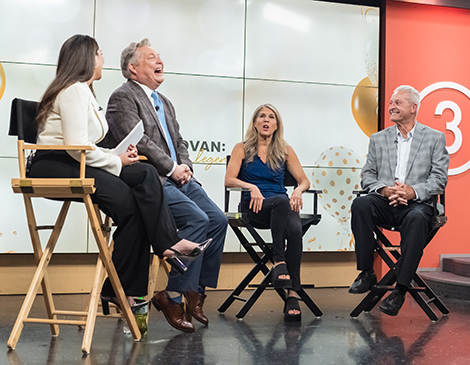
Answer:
(129, 104)
(427, 165)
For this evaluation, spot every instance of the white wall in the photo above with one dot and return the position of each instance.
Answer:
(222, 59)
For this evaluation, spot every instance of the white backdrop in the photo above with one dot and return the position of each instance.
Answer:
(222, 59)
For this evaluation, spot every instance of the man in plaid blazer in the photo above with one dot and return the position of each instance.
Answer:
(405, 163)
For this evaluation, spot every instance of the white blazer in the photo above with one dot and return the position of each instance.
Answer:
(76, 119)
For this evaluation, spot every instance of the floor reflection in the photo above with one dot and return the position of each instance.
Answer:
(382, 349)
(283, 347)
(261, 338)
(183, 349)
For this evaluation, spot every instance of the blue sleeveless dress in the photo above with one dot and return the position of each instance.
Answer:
(270, 182)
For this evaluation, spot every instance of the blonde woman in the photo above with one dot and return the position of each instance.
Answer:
(258, 164)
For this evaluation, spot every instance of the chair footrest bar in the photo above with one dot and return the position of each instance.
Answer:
(70, 313)
(392, 287)
(383, 287)
(260, 286)
(55, 321)
(111, 315)
(304, 286)
(239, 298)
(38, 228)
(417, 289)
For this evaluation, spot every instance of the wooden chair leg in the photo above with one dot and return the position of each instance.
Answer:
(40, 276)
(110, 269)
(93, 307)
(154, 266)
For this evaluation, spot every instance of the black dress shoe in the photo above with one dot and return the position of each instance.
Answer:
(363, 283)
(392, 304)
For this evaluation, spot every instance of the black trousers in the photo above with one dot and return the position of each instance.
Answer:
(135, 202)
(285, 224)
(414, 221)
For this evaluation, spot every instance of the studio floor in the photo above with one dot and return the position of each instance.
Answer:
(261, 337)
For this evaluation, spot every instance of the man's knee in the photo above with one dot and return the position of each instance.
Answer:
(360, 204)
(417, 217)
(221, 220)
(199, 218)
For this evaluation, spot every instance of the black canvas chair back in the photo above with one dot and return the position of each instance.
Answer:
(22, 125)
(23, 120)
(254, 241)
(390, 254)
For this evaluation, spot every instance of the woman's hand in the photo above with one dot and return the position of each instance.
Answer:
(133, 148)
(296, 203)
(130, 156)
(256, 202)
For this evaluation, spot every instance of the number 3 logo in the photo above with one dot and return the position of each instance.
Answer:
(452, 126)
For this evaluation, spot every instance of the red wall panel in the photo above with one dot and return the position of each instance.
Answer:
(429, 45)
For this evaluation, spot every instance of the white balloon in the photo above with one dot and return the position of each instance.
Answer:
(337, 174)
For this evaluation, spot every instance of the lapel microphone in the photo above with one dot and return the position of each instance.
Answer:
(157, 108)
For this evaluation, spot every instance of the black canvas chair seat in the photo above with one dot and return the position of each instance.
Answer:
(391, 255)
(250, 242)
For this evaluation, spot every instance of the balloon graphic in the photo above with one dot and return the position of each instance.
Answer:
(371, 57)
(3, 81)
(370, 16)
(364, 105)
(337, 174)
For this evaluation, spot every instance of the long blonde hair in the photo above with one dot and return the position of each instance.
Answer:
(277, 149)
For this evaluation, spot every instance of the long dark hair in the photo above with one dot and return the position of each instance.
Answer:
(76, 64)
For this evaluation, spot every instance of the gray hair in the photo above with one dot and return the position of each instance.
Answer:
(413, 94)
(130, 55)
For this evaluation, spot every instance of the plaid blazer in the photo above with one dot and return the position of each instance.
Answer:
(427, 167)
(127, 105)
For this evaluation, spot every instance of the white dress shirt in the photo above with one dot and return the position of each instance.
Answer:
(403, 153)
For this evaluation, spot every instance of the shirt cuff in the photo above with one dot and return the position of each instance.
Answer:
(172, 170)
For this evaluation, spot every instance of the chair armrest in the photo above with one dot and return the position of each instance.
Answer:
(237, 189)
(311, 191)
(315, 198)
(227, 196)
(359, 192)
(438, 198)
(28, 146)
(58, 147)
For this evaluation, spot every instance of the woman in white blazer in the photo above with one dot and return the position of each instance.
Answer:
(128, 191)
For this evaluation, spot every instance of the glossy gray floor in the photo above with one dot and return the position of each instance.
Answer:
(261, 338)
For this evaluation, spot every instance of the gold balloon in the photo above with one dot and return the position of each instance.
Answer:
(2, 80)
(364, 105)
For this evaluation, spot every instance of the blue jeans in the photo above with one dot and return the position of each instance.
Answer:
(197, 218)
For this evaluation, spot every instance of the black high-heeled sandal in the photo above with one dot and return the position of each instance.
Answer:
(280, 270)
(138, 304)
(175, 262)
(292, 303)
(200, 248)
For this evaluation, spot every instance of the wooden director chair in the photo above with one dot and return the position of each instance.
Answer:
(390, 254)
(237, 221)
(22, 124)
